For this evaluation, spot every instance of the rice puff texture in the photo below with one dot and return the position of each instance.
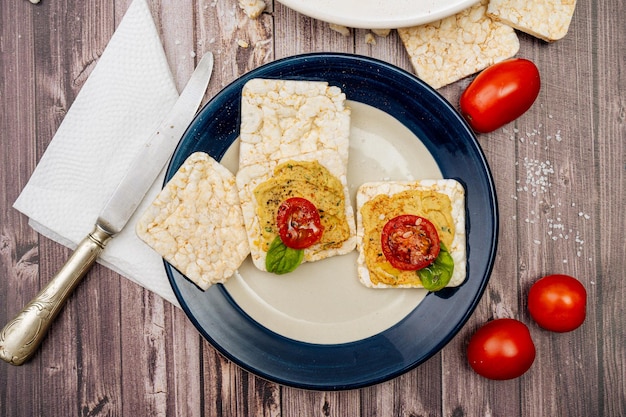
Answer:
(286, 118)
(195, 223)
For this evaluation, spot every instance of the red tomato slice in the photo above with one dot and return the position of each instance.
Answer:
(299, 224)
(500, 94)
(501, 349)
(410, 242)
(558, 303)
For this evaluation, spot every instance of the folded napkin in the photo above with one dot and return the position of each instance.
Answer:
(128, 93)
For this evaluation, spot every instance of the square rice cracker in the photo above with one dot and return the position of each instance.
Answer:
(452, 188)
(545, 19)
(285, 118)
(457, 46)
(249, 177)
(196, 224)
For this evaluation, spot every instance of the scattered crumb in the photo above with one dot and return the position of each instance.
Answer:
(340, 29)
(242, 43)
(252, 8)
(370, 39)
(383, 33)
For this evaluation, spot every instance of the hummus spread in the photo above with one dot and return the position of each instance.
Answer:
(430, 204)
(310, 180)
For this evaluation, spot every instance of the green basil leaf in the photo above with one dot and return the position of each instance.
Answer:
(281, 259)
(437, 275)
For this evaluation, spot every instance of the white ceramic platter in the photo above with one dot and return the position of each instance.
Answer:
(378, 14)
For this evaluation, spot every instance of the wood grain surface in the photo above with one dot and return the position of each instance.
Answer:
(119, 350)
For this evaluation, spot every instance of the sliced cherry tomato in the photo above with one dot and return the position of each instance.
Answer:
(299, 224)
(410, 242)
(501, 349)
(558, 303)
(500, 94)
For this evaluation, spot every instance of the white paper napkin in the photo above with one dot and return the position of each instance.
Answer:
(128, 93)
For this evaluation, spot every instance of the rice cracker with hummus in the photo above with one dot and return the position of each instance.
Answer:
(411, 234)
(293, 162)
(195, 223)
(297, 210)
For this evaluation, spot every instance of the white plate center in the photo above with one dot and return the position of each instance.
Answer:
(324, 302)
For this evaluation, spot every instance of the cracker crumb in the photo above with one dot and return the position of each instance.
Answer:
(383, 33)
(343, 30)
(370, 39)
(252, 8)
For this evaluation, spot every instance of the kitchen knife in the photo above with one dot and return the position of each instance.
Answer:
(21, 337)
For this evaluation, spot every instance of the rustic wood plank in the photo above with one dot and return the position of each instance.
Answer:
(238, 43)
(144, 363)
(298, 402)
(19, 252)
(387, 48)
(416, 393)
(609, 116)
(232, 391)
(552, 231)
(312, 35)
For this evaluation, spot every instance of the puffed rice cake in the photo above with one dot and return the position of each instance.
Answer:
(196, 224)
(457, 46)
(545, 19)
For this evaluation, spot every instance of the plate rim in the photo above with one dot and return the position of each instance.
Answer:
(220, 292)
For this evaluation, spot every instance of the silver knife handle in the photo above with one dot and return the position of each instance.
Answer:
(21, 337)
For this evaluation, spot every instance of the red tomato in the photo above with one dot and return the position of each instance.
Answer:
(299, 224)
(501, 349)
(410, 242)
(500, 94)
(558, 303)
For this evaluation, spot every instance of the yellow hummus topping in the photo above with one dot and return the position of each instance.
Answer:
(432, 205)
(310, 180)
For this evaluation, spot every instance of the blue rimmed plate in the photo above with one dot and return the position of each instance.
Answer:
(318, 328)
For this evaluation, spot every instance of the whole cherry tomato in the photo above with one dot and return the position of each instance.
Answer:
(501, 349)
(500, 94)
(410, 242)
(558, 303)
(299, 224)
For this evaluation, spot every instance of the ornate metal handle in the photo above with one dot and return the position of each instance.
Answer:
(21, 337)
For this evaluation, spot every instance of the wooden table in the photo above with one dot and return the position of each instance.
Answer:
(117, 349)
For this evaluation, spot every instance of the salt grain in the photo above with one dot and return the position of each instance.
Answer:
(536, 180)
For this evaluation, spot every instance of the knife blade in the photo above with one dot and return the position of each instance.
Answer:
(21, 337)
